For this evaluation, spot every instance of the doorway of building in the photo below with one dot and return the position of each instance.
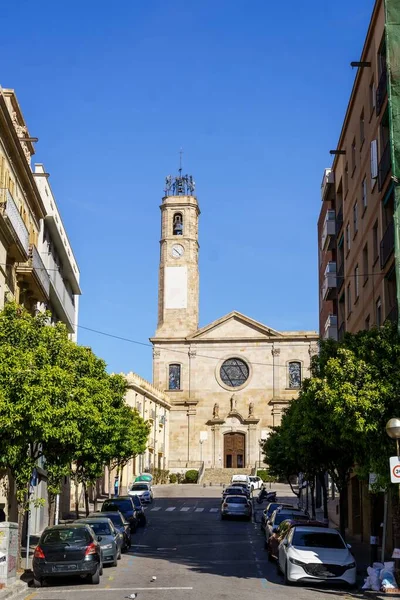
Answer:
(234, 450)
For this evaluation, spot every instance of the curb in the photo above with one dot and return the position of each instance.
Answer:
(13, 590)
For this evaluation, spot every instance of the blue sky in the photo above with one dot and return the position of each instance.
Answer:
(254, 92)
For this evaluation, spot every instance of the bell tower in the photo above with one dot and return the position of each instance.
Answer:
(178, 287)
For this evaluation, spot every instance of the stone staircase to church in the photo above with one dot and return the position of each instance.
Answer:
(218, 476)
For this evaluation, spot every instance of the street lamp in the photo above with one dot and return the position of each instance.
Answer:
(393, 431)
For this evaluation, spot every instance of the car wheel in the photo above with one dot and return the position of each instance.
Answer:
(278, 567)
(115, 561)
(119, 554)
(270, 557)
(101, 569)
(286, 580)
(37, 582)
(95, 579)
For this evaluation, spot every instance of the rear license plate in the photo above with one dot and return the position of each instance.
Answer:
(64, 567)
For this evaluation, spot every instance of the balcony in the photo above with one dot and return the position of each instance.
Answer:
(34, 274)
(328, 230)
(160, 448)
(385, 164)
(327, 180)
(15, 229)
(339, 221)
(387, 244)
(340, 276)
(341, 331)
(329, 285)
(61, 300)
(381, 92)
(331, 330)
(151, 443)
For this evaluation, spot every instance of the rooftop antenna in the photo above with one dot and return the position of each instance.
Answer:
(180, 162)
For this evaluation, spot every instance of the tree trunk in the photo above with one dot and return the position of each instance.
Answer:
(76, 497)
(21, 515)
(51, 507)
(312, 490)
(86, 496)
(342, 508)
(322, 480)
(109, 480)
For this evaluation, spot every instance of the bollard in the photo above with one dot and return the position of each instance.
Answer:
(210, 483)
(204, 485)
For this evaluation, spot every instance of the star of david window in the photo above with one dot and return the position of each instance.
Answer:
(294, 375)
(234, 372)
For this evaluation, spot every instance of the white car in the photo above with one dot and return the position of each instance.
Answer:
(312, 554)
(143, 490)
(255, 482)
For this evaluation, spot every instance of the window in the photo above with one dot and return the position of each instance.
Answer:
(374, 161)
(364, 196)
(177, 224)
(378, 313)
(355, 218)
(356, 282)
(353, 156)
(348, 237)
(367, 320)
(372, 97)
(362, 128)
(346, 179)
(365, 263)
(174, 377)
(375, 242)
(234, 372)
(348, 299)
(294, 372)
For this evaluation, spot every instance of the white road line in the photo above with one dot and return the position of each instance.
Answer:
(214, 509)
(170, 508)
(127, 589)
(156, 508)
(185, 508)
(198, 509)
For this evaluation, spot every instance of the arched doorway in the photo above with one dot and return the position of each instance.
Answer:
(234, 450)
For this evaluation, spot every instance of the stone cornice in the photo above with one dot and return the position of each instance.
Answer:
(141, 385)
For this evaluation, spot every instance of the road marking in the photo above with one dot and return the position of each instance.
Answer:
(156, 508)
(198, 509)
(214, 509)
(185, 508)
(126, 589)
(170, 508)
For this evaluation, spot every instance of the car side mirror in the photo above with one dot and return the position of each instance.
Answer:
(285, 542)
(349, 546)
(99, 538)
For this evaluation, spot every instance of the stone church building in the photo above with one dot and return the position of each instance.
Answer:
(229, 381)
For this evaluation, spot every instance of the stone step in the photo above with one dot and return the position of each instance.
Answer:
(218, 476)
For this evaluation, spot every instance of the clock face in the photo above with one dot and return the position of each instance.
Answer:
(177, 251)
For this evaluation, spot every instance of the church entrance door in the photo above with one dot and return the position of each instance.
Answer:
(234, 450)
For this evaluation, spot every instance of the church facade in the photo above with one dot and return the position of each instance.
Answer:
(227, 382)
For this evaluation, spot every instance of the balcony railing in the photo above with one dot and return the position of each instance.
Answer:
(341, 331)
(387, 244)
(339, 220)
(384, 166)
(39, 269)
(329, 228)
(381, 91)
(14, 220)
(393, 315)
(329, 283)
(331, 331)
(63, 295)
(340, 276)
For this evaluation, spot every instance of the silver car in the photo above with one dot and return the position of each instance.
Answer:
(236, 506)
(110, 539)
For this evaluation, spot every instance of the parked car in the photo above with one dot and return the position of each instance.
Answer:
(119, 522)
(243, 485)
(143, 490)
(240, 478)
(139, 510)
(234, 490)
(280, 515)
(236, 506)
(110, 539)
(313, 554)
(126, 506)
(255, 482)
(266, 514)
(65, 550)
(282, 529)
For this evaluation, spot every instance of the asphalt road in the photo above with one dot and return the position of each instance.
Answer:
(193, 555)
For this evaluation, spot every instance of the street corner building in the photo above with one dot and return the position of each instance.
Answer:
(227, 382)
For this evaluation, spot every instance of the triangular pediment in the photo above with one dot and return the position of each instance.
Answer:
(235, 326)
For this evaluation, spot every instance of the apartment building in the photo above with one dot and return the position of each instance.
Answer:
(356, 232)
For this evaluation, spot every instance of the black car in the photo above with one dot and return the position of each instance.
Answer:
(234, 490)
(280, 515)
(126, 506)
(242, 484)
(139, 509)
(67, 550)
(119, 523)
(266, 515)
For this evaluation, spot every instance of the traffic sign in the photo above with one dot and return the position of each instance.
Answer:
(395, 469)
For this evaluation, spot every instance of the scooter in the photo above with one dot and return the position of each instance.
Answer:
(265, 495)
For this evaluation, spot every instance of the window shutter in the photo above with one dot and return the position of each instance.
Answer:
(374, 159)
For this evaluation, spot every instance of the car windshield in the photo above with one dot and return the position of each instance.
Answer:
(236, 500)
(234, 490)
(279, 517)
(100, 528)
(115, 518)
(317, 539)
(70, 535)
(117, 505)
(139, 486)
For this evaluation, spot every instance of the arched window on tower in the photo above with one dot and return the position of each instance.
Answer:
(174, 377)
(178, 224)
(294, 375)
